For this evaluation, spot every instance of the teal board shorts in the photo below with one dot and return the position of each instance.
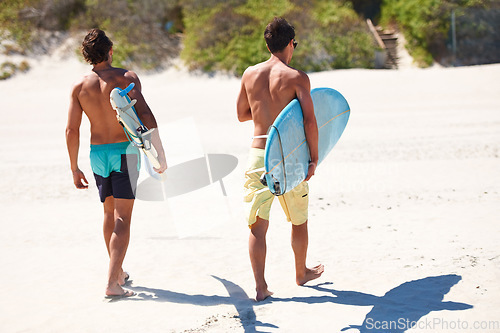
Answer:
(116, 169)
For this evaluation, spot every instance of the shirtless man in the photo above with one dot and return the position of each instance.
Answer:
(114, 161)
(266, 89)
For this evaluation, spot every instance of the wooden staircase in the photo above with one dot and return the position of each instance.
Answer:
(387, 40)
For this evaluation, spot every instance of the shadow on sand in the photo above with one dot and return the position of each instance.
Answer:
(395, 312)
(400, 308)
(237, 297)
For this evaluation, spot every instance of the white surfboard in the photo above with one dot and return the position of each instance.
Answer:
(136, 132)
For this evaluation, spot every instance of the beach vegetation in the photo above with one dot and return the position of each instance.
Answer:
(215, 35)
(24, 66)
(141, 30)
(23, 19)
(426, 23)
(228, 35)
(8, 69)
(11, 23)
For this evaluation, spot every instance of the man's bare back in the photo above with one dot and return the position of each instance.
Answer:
(266, 89)
(91, 95)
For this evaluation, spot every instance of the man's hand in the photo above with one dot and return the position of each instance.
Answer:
(78, 177)
(163, 166)
(311, 170)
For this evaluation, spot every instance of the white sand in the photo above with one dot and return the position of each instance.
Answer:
(411, 192)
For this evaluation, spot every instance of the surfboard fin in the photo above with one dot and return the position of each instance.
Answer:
(146, 139)
(263, 179)
(127, 90)
(128, 106)
(276, 184)
(277, 188)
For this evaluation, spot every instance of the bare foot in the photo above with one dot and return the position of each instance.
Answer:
(117, 290)
(310, 274)
(263, 294)
(126, 293)
(124, 278)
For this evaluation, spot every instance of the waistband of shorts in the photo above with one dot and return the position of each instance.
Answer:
(257, 152)
(255, 158)
(110, 146)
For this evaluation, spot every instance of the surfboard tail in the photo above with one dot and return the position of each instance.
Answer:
(152, 156)
(149, 148)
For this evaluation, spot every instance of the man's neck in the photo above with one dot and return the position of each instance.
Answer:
(281, 56)
(102, 66)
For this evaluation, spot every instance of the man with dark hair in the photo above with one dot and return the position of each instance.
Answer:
(96, 46)
(114, 160)
(266, 89)
(278, 35)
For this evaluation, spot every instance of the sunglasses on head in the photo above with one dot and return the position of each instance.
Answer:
(295, 43)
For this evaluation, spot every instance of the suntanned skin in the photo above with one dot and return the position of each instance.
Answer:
(90, 95)
(266, 89)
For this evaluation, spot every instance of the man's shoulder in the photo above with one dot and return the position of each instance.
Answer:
(78, 84)
(123, 72)
(297, 72)
(250, 74)
(116, 73)
(252, 69)
(119, 77)
(257, 71)
(299, 77)
(260, 67)
(126, 72)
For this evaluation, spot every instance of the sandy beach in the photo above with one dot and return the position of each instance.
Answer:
(404, 213)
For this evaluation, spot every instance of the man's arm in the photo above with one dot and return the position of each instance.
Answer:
(242, 105)
(310, 125)
(73, 137)
(142, 108)
(148, 119)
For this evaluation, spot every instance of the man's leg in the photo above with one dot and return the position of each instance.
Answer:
(109, 227)
(109, 220)
(257, 249)
(300, 241)
(118, 244)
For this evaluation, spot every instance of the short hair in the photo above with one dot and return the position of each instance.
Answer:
(278, 34)
(96, 46)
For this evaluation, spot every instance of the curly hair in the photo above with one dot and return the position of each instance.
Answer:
(278, 34)
(96, 46)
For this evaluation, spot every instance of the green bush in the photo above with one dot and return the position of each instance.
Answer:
(334, 37)
(137, 28)
(218, 35)
(8, 69)
(425, 23)
(24, 18)
(11, 20)
(228, 35)
(24, 66)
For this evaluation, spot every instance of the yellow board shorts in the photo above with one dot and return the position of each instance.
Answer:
(258, 198)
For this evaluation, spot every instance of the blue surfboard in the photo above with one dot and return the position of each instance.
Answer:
(287, 157)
